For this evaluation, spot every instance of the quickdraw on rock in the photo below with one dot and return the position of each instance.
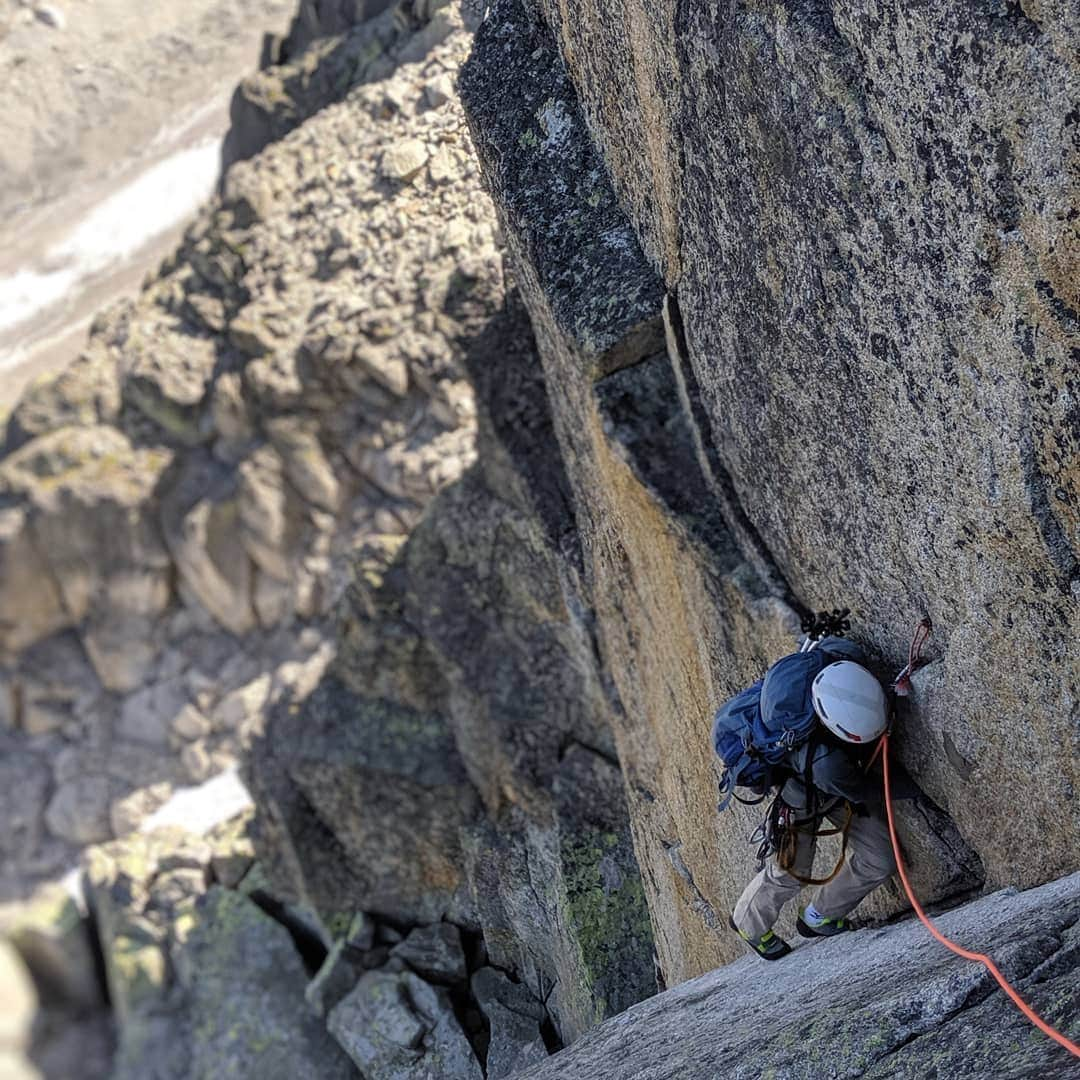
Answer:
(902, 683)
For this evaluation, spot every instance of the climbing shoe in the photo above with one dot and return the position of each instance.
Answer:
(768, 946)
(811, 927)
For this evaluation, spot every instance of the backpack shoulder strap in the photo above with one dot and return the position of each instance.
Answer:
(812, 745)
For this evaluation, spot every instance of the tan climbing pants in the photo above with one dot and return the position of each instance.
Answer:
(869, 863)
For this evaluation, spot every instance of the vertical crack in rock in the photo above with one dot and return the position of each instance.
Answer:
(648, 427)
(1058, 547)
(712, 466)
(699, 904)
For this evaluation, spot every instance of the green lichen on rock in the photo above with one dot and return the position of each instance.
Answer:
(137, 968)
(245, 983)
(608, 917)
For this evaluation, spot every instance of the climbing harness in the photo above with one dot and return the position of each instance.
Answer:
(915, 661)
(779, 832)
(789, 846)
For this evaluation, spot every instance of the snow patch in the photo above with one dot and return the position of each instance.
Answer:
(203, 807)
(113, 231)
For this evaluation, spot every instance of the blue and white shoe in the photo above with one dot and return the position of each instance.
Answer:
(811, 925)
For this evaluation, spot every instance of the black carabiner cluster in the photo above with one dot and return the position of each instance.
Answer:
(833, 623)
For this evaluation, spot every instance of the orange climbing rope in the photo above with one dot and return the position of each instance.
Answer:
(1022, 1005)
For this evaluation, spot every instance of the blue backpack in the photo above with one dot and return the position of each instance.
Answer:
(755, 730)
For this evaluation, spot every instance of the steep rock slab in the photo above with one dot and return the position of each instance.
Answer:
(903, 275)
(563, 903)
(682, 619)
(494, 584)
(361, 800)
(595, 305)
(875, 251)
(882, 1003)
(629, 91)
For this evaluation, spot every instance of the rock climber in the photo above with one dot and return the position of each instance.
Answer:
(829, 776)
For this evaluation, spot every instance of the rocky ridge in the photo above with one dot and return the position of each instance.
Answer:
(177, 504)
(510, 748)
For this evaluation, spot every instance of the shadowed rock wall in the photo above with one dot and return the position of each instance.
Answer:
(867, 215)
(844, 417)
(457, 762)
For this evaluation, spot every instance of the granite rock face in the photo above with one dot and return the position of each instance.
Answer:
(689, 603)
(247, 1009)
(865, 217)
(876, 1003)
(397, 1027)
(363, 799)
(514, 1018)
(439, 769)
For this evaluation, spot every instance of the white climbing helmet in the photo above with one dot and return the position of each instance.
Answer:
(850, 702)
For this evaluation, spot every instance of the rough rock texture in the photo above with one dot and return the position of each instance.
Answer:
(177, 505)
(514, 1017)
(245, 982)
(201, 980)
(564, 905)
(434, 952)
(867, 217)
(439, 768)
(878, 1003)
(362, 801)
(688, 607)
(510, 747)
(396, 1027)
(326, 54)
